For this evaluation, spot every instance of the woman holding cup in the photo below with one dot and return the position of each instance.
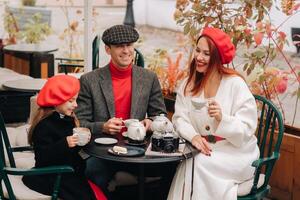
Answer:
(217, 113)
(54, 143)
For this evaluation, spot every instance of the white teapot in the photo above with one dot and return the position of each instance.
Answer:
(136, 130)
(161, 124)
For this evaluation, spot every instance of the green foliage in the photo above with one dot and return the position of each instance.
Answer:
(35, 31)
(28, 2)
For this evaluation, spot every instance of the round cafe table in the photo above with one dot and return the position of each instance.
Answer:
(101, 151)
(25, 85)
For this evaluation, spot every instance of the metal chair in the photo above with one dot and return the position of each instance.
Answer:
(68, 65)
(12, 187)
(139, 58)
(269, 136)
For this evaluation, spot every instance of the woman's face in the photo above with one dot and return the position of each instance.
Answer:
(68, 107)
(202, 55)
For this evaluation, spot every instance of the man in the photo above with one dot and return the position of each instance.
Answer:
(118, 91)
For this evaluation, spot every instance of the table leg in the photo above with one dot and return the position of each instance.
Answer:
(141, 181)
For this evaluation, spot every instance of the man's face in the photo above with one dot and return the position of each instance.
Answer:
(121, 55)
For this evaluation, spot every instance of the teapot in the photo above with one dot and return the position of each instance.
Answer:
(136, 130)
(161, 124)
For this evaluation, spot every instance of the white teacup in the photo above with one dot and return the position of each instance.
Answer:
(199, 103)
(127, 122)
(136, 131)
(83, 134)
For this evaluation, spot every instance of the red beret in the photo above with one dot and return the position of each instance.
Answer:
(57, 90)
(223, 43)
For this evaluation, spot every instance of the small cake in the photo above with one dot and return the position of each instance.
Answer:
(121, 150)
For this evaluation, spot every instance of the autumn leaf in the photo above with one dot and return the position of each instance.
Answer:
(258, 38)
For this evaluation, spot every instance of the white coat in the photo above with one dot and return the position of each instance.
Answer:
(216, 177)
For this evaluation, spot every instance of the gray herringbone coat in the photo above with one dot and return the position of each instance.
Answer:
(96, 100)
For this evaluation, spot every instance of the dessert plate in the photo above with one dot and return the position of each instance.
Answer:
(106, 140)
(131, 151)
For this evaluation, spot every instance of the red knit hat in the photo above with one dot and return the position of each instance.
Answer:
(223, 43)
(57, 90)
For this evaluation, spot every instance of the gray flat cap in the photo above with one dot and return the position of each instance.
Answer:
(120, 34)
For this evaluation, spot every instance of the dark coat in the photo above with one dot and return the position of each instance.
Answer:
(96, 102)
(51, 148)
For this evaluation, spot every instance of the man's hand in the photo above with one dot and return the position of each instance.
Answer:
(147, 123)
(113, 126)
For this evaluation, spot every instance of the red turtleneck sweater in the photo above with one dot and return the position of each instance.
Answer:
(121, 83)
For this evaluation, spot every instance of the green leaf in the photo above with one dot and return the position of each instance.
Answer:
(259, 54)
(245, 66)
(186, 28)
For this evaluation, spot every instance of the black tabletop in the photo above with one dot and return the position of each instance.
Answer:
(101, 151)
(31, 48)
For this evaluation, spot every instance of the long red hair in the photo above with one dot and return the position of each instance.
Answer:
(196, 80)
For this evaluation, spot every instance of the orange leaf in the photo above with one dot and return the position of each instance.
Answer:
(268, 30)
(258, 38)
(259, 25)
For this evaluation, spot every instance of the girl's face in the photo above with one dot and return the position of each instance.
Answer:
(202, 55)
(68, 107)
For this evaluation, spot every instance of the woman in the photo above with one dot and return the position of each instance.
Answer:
(222, 128)
(51, 135)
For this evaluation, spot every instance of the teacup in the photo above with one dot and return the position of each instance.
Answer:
(136, 131)
(127, 122)
(84, 135)
(199, 103)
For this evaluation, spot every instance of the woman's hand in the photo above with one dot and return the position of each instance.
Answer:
(72, 140)
(201, 144)
(214, 110)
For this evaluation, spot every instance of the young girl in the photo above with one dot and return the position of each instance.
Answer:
(54, 143)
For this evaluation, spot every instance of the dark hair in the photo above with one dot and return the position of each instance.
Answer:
(196, 81)
(41, 114)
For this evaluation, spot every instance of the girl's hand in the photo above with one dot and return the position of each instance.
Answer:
(201, 144)
(214, 110)
(72, 140)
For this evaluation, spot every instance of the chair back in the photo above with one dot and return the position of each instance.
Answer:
(5, 144)
(269, 132)
(139, 58)
(95, 52)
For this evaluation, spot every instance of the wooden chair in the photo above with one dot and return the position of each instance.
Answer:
(12, 187)
(269, 136)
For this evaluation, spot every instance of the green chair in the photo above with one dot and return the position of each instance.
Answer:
(269, 136)
(68, 65)
(139, 58)
(12, 187)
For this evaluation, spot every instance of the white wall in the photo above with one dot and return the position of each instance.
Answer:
(159, 13)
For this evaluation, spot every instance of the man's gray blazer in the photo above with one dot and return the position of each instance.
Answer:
(96, 100)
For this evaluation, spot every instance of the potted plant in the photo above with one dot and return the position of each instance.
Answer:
(28, 2)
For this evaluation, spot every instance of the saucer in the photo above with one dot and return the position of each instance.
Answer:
(106, 140)
(143, 143)
(131, 152)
